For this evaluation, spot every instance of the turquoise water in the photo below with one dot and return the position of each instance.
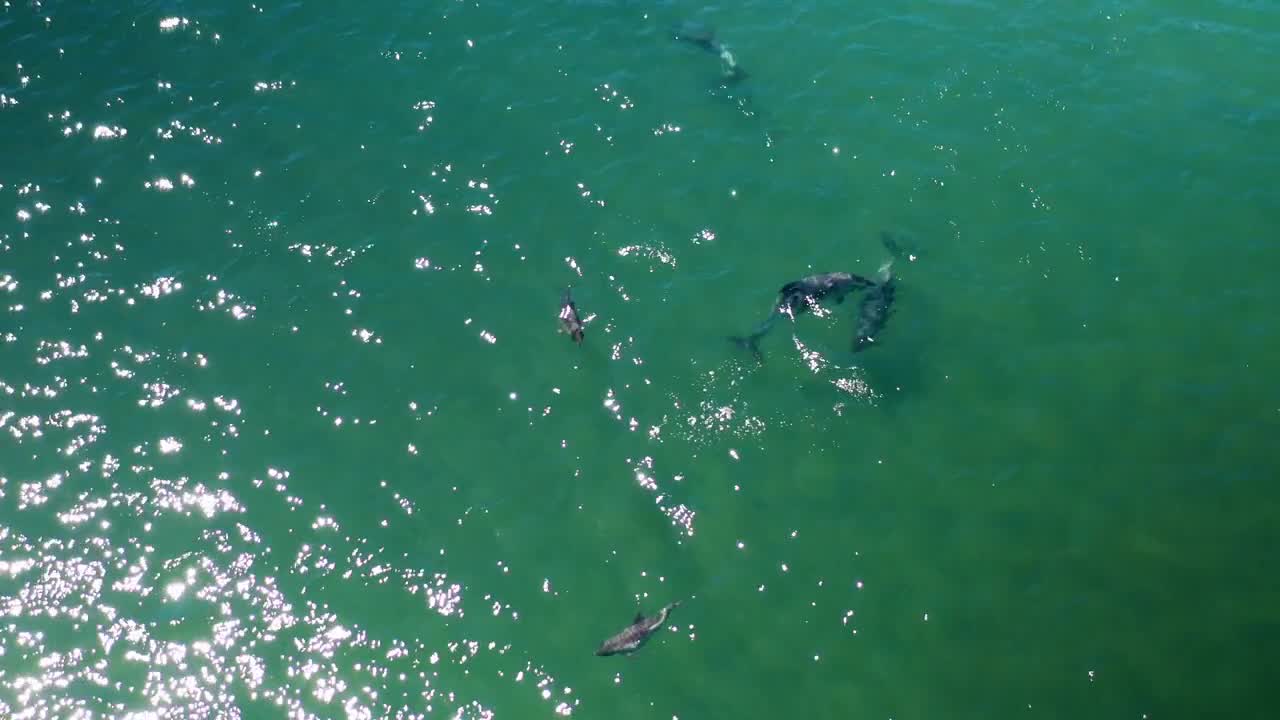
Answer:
(288, 430)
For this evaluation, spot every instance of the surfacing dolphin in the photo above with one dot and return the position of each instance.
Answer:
(569, 320)
(800, 296)
(703, 37)
(634, 635)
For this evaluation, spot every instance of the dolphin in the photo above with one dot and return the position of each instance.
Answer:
(569, 320)
(634, 635)
(703, 37)
(800, 296)
(874, 310)
(877, 303)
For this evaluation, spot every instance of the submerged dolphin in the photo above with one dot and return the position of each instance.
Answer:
(877, 304)
(698, 35)
(874, 310)
(798, 297)
(569, 320)
(703, 37)
(634, 635)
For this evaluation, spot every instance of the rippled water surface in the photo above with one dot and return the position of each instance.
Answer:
(287, 428)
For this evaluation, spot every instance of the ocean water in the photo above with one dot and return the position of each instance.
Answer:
(287, 428)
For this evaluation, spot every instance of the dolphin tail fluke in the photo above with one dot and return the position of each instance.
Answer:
(750, 343)
(884, 274)
(862, 283)
(897, 245)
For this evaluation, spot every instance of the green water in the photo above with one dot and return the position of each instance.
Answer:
(288, 431)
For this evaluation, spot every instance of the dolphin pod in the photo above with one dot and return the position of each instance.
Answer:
(800, 296)
(794, 298)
